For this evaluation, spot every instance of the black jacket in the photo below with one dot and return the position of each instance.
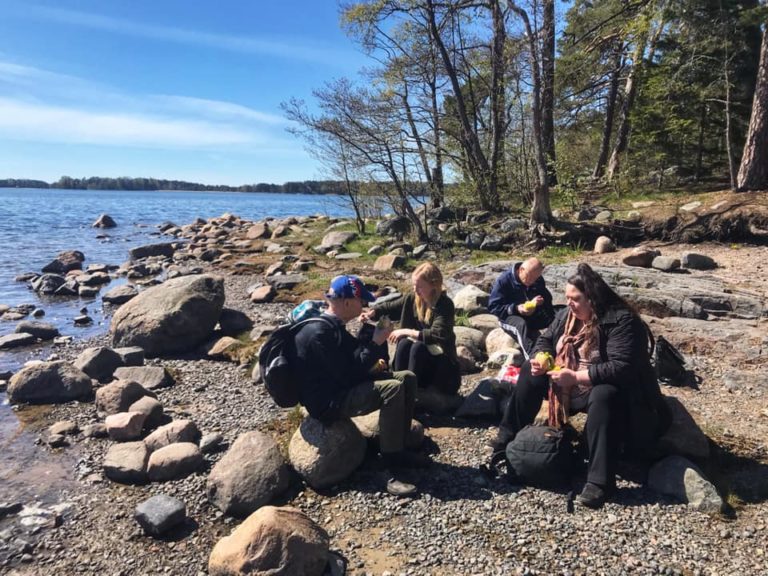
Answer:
(508, 293)
(331, 361)
(625, 362)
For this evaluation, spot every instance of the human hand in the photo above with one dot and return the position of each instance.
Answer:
(400, 333)
(537, 368)
(368, 315)
(524, 310)
(382, 332)
(564, 378)
(539, 300)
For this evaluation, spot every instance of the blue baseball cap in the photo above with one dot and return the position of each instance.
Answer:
(346, 286)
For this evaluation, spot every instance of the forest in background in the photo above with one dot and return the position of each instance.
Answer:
(520, 103)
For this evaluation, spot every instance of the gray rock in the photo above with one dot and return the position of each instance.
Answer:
(397, 226)
(99, 363)
(163, 249)
(41, 330)
(118, 396)
(48, 283)
(210, 443)
(125, 426)
(389, 262)
(324, 455)
(131, 355)
(696, 261)
(150, 377)
(16, 340)
(152, 410)
(337, 239)
(286, 281)
(96, 430)
(127, 463)
(263, 294)
(49, 383)
(120, 294)
(64, 427)
(603, 245)
(159, 514)
(471, 300)
(104, 221)
(250, 475)
(87, 291)
(176, 316)
(678, 477)
(174, 461)
(486, 323)
(665, 263)
(177, 431)
(233, 322)
(470, 338)
(434, 401)
(641, 257)
(65, 261)
(499, 341)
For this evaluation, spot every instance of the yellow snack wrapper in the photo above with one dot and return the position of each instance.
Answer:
(546, 360)
(529, 305)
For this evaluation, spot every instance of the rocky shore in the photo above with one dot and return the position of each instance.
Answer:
(462, 522)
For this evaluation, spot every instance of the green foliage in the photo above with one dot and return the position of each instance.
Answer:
(560, 254)
(462, 319)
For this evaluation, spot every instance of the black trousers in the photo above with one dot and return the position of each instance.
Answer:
(603, 428)
(431, 370)
(517, 327)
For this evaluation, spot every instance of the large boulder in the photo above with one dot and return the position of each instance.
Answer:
(48, 283)
(279, 541)
(120, 294)
(162, 249)
(16, 340)
(325, 454)
(104, 221)
(369, 427)
(337, 239)
(250, 475)
(65, 261)
(471, 338)
(49, 383)
(175, 316)
(499, 341)
(678, 477)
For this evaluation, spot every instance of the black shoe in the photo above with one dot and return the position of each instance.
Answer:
(593, 496)
(405, 459)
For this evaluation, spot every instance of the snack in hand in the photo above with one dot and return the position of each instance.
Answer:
(380, 366)
(545, 360)
(530, 305)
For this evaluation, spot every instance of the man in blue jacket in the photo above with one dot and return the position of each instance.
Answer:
(522, 303)
(340, 379)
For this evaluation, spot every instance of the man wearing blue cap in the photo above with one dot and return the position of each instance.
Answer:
(337, 377)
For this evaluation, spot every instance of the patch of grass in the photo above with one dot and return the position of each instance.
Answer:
(483, 256)
(561, 254)
(462, 319)
(284, 427)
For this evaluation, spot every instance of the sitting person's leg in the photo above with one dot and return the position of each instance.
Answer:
(402, 358)
(602, 432)
(445, 375)
(394, 397)
(420, 362)
(518, 328)
(527, 396)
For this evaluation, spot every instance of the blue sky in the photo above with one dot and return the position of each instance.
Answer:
(177, 89)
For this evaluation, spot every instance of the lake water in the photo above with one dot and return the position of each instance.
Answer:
(37, 224)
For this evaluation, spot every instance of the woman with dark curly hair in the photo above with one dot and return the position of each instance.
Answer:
(602, 366)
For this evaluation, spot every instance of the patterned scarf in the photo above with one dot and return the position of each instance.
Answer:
(568, 357)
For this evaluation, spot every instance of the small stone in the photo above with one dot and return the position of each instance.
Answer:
(160, 513)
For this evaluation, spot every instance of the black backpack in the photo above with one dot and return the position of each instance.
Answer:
(542, 456)
(670, 364)
(276, 358)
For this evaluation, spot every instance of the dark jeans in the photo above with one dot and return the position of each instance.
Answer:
(602, 430)
(431, 370)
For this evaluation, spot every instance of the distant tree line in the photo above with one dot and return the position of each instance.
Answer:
(97, 183)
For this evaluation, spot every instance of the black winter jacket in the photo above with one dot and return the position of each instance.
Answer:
(331, 361)
(508, 293)
(625, 362)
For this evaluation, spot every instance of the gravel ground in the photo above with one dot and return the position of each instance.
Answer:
(461, 524)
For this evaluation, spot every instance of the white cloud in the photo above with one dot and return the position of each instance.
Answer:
(40, 105)
(50, 123)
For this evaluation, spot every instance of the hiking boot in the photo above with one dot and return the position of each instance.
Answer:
(400, 488)
(404, 459)
(593, 496)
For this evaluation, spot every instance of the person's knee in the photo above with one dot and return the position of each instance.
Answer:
(604, 395)
(406, 379)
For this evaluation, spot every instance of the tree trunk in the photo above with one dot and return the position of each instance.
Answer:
(610, 108)
(700, 144)
(541, 211)
(753, 172)
(498, 101)
(548, 89)
(630, 91)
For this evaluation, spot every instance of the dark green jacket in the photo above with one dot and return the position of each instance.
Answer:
(438, 331)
